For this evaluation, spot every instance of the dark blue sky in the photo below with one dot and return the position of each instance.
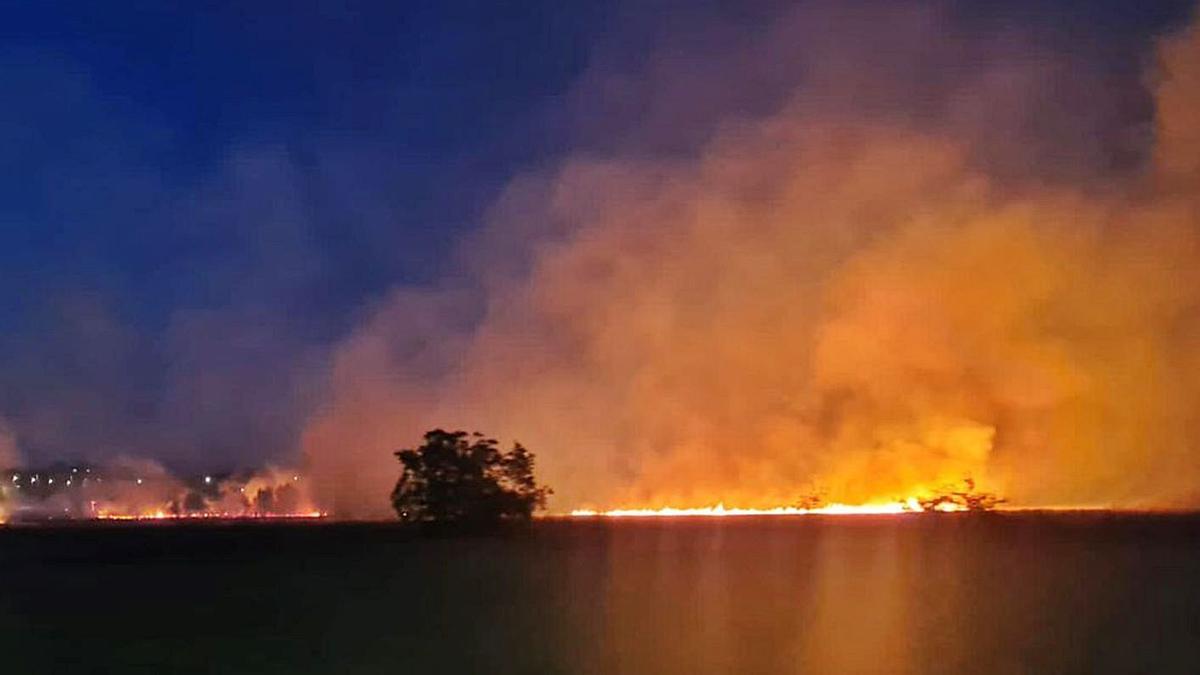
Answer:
(115, 114)
(196, 203)
(193, 200)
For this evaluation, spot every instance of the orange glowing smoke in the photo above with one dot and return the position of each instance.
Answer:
(821, 297)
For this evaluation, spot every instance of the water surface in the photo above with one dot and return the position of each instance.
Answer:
(914, 594)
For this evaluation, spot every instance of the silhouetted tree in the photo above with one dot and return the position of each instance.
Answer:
(194, 501)
(287, 499)
(969, 499)
(461, 478)
(264, 501)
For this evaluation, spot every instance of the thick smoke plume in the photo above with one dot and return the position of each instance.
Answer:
(826, 299)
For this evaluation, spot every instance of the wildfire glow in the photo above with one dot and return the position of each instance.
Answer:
(210, 515)
(910, 505)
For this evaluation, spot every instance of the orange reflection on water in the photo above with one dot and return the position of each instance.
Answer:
(832, 595)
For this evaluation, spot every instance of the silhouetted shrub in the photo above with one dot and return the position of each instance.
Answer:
(969, 499)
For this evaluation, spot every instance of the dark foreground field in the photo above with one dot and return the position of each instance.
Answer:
(995, 594)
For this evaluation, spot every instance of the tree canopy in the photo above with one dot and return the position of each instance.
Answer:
(460, 478)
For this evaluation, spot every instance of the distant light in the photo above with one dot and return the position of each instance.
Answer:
(16, 477)
(52, 481)
(139, 481)
(295, 477)
(208, 480)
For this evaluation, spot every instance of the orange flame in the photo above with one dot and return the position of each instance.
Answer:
(910, 505)
(209, 515)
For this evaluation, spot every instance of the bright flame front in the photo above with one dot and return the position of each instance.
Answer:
(911, 505)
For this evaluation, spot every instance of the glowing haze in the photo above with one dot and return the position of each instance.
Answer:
(823, 299)
(8, 457)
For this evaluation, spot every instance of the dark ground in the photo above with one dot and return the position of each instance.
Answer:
(917, 594)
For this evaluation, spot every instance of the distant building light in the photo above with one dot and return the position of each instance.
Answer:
(208, 480)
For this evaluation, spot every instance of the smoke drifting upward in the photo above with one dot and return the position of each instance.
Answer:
(9, 456)
(825, 299)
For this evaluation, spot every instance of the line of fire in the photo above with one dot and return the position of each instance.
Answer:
(84, 492)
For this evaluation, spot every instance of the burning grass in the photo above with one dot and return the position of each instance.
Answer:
(949, 499)
(146, 492)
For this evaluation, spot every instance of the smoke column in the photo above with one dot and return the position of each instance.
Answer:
(821, 299)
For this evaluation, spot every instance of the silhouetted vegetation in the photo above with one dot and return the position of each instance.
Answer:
(194, 501)
(456, 478)
(811, 500)
(277, 499)
(969, 499)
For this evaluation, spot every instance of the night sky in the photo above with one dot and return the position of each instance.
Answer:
(199, 205)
